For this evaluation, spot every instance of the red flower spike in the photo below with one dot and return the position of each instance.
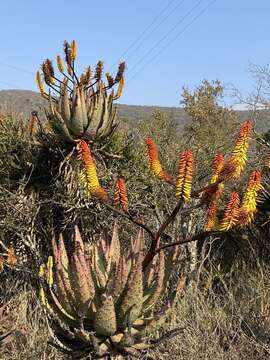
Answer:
(120, 194)
(154, 162)
(184, 177)
(89, 176)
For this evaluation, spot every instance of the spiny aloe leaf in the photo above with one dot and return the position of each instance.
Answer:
(84, 111)
(58, 309)
(98, 268)
(76, 121)
(79, 251)
(131, 306)
(96, 113)
(105, 319)
(63, 274)
(138, 243)
(114, 249)
(118, 279)
(65, 109)
(84, 293)
(158, 284)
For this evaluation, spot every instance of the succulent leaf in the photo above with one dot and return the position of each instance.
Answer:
(105, 319)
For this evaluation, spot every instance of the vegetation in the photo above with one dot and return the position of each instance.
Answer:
(131, 243)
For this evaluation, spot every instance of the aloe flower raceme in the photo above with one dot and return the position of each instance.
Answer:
(120, 194)
(249, 203)
(89, 176)
(239, 154)
(80, 107)
(184, 177)
(154, 162)
(217, 166)
(231, 213)
(211, 216)
(103, 301)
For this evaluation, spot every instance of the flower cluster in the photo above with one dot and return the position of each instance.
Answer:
(89, 175)
(184, 177)
(120, 194)
(154, 162)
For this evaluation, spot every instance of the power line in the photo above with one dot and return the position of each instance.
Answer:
(187, 14)
(148, 27)
(153, 30)
(9, 84)
(17, 68)
(174, 39)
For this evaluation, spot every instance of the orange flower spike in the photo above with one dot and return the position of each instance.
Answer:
(249, 204)
(231, 213)
(211, 216)
(11, 257)
(155, 165)
(184, 177)
(120, 194)
(239, 154)
(90, 177)
(217, 166)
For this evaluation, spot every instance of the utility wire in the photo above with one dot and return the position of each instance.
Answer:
(148, 27)
(17, 68)
(153, 30)
(172, 40)
(187, 14)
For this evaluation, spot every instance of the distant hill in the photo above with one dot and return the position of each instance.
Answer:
(25, 101)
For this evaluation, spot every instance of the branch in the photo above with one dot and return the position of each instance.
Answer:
(199, 236)
(127, 215)
(153, 247)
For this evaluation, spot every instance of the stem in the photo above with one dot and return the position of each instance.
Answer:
(195, 237)
(127, 215)
(153, 247)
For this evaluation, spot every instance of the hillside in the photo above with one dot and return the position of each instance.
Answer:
(25, 101)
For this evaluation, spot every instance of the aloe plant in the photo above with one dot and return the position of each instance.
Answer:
(103, 300)
(80, 107)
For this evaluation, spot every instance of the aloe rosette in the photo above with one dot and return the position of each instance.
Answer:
(103, 299)
(80, 107)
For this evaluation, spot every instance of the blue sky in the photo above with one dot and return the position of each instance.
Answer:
(219, 44)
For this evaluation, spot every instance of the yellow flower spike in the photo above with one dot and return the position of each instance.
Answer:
(120, 89)
(89, 177)
(211, 216)
(249, 203)
(60, 64)
(73, 50)
(88, 74)
(99, 70)
(40, 85)
(155, 165)
(231, 213)
(41, 274)
(217, 166)
(50, 271)
(239, 154)
(184, 177)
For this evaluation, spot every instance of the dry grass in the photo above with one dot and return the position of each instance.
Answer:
(227, 318)
(224, 317)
